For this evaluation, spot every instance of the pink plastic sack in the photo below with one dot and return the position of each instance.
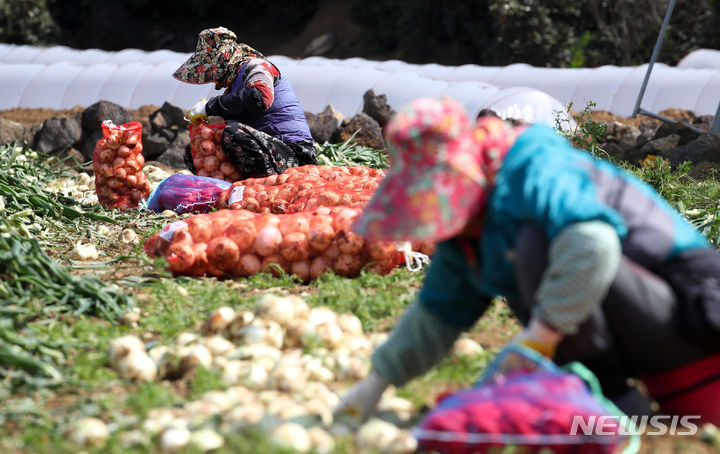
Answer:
(186, 194)
(533, 410)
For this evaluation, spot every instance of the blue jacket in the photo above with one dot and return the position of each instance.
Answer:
(285, 119)
(544, 181)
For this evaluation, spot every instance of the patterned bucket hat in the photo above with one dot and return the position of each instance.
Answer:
(217, 58)
(441, 166)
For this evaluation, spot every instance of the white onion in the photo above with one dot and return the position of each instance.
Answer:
(197, 355)
(255, 377)
(255, 352)
(376, 339)
(129, 236)
(330, 334)
(218, 320)
(219, 362)
(239, 395)
(291, 411)
(241, 320)
(233, 371)
(169, 361)
(152, 426)
(320, 315)
(217, 399)
(89, 432)
(122, 346)
(218, 345)
(350, 324)
(401, 407)
(262, 331)
(206, 440)
(158, 419)
(294, 331)
(466, 347)
(186, 338)
(319, 408)
(288, 378)
(404, 443)
(246, 415)
(272, 396)
(376, 434)
(327, 333)
(276, 308)
(320, 391)
(84, 252)
(292, 436)
(134, 438)
(300, 307)
(321, 441)
(130, 319)
(199, 410)
(359, 345)
(317, 372)
(137, 366)
(174, 439)
(352, 367)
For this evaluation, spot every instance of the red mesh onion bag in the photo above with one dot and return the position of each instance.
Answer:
(208, 157)
(304, 188)
(240, 243)
(117, 163)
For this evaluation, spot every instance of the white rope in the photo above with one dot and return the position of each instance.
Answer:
(414, 260)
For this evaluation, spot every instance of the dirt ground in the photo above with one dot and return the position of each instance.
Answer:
(29, 117)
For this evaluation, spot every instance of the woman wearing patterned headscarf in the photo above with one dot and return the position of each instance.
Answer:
(593, 262)
(267, 131)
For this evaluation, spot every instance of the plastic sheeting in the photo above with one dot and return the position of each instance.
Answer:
(701, 58)
(694, 87)
(61, 77)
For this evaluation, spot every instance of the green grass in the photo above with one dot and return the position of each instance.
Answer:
(697, 199)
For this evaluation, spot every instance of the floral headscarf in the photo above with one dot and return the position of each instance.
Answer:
(441, 169)
(217, 58)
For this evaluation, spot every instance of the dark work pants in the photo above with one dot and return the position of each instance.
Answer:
(634, 331)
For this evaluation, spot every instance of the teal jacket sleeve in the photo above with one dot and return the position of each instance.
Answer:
(418, 342)
(449, 302)
(451, 290)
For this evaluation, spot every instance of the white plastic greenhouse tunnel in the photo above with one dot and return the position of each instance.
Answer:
(60, 78)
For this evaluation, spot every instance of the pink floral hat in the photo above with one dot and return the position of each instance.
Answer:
(217, 58)
(441, 167)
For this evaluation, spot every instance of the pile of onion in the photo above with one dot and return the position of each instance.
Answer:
(240, 243)
(208, 157)
(304, 188)
(117, 163)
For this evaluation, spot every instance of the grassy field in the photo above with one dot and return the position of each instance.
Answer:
(59, 315)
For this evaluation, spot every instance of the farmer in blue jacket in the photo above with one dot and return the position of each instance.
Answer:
(267, 130)
(596, 266)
